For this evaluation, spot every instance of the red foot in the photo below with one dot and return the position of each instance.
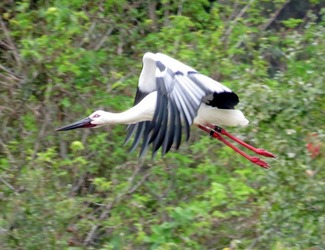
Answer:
(263, 152)
(259, 162)
(255, 160)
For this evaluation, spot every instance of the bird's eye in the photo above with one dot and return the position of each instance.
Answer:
(95, 116)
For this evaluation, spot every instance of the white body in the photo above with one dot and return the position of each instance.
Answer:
(172, 96)
(145, 110)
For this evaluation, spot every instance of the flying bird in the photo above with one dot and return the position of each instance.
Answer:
(170, 97)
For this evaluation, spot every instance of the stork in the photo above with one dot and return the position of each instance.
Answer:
(170, 97)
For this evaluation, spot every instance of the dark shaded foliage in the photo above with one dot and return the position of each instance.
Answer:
(61, 60)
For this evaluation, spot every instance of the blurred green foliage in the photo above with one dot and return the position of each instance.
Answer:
(60, 60)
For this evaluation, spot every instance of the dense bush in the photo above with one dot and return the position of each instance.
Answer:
(60, 60)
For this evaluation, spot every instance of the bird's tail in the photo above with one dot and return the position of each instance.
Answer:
(230, 117)
(224, 117)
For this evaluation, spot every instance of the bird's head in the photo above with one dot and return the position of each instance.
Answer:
(96, 119)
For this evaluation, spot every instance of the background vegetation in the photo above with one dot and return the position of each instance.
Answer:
(62, 59)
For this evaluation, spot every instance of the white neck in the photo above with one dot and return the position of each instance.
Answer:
(126, 117)
(143, 111)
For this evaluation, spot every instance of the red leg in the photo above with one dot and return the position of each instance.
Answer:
(218, 136)
(259, 151)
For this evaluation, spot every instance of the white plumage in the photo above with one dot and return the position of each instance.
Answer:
(171, 96)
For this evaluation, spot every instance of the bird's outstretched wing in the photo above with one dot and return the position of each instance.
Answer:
(180, 92)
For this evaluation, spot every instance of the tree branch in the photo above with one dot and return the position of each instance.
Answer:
(8, 185)
(106, 210)
(233, 23)
(274, 16)
(11, 44)
(264, 26)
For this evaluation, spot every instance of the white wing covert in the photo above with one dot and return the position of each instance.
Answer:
(180, 92)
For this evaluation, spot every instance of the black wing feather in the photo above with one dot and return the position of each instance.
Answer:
(169, 137)
(146, 138)
(140, 129)
(178, 129)
(179, 96)
(132, 127)
(160, 107)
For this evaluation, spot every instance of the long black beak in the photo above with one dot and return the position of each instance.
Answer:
(84, 123)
